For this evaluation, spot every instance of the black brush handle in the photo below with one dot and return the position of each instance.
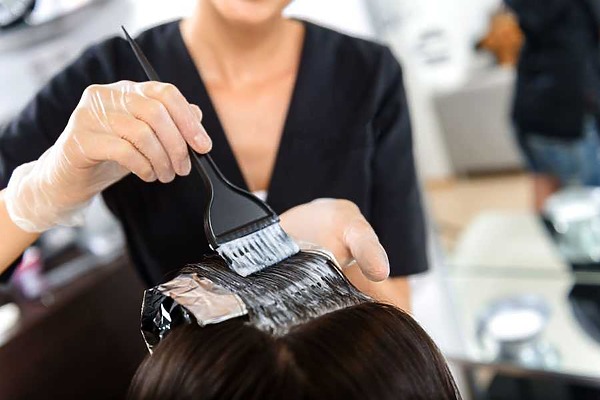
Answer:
(230, 203)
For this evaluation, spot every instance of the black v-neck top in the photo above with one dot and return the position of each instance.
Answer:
(347, 135)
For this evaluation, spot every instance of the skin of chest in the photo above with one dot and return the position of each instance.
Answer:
(253, 118)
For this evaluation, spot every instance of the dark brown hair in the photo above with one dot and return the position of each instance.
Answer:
(367, 351)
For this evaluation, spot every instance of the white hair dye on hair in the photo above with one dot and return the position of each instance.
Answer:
(278, 298)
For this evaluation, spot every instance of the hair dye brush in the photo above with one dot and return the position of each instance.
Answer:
(243, 229)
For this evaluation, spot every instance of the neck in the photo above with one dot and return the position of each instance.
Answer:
(228, 51)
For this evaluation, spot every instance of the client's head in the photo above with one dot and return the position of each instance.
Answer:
(367, 351)
(346, 348)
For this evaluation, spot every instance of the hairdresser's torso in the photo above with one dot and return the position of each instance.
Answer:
(331, 122)
(246, 72)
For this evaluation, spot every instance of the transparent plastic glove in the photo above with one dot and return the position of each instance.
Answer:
(116, 129)
(339, 226)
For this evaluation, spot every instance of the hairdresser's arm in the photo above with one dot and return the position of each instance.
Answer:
(115, 130)
(396, 211)
(14, 239)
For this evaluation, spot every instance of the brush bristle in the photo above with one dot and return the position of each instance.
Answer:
(259, 250)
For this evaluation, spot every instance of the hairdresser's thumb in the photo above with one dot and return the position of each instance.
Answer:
(368, 252)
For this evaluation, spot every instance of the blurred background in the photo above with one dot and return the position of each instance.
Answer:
(512, 298)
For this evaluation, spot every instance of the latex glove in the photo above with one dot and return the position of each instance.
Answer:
(116, 129)
(340, 227)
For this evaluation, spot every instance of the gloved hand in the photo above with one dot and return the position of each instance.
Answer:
(339, 226)
(116, 129)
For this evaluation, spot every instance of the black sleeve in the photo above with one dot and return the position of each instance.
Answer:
(538, 15)
(37, 127)
(397, 213)
(40, 123)
(593, 7)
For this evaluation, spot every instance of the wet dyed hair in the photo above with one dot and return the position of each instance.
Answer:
(366, 351)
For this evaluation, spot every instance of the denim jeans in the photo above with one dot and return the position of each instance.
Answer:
(572, 162)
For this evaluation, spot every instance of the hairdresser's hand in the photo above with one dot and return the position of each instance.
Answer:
(339, 226)
(116, 129)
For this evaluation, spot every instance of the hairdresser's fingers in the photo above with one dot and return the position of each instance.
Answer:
(367, 251)
(175, 144)
(156, 115)
(145, 140)
(111, 148)
(178, 107)
(197, 112)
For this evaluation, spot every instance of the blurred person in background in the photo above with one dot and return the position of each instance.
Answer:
(293, 111)
(556, 105)
(504, 38)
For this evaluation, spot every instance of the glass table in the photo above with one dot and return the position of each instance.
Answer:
(567, 348)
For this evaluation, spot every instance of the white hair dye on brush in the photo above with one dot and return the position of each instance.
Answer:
(256, 251)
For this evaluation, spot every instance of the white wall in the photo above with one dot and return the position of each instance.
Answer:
(24, 69)
(153, 12)
(402, 24)
(29, 58)
(349, 16)
(346, 15)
